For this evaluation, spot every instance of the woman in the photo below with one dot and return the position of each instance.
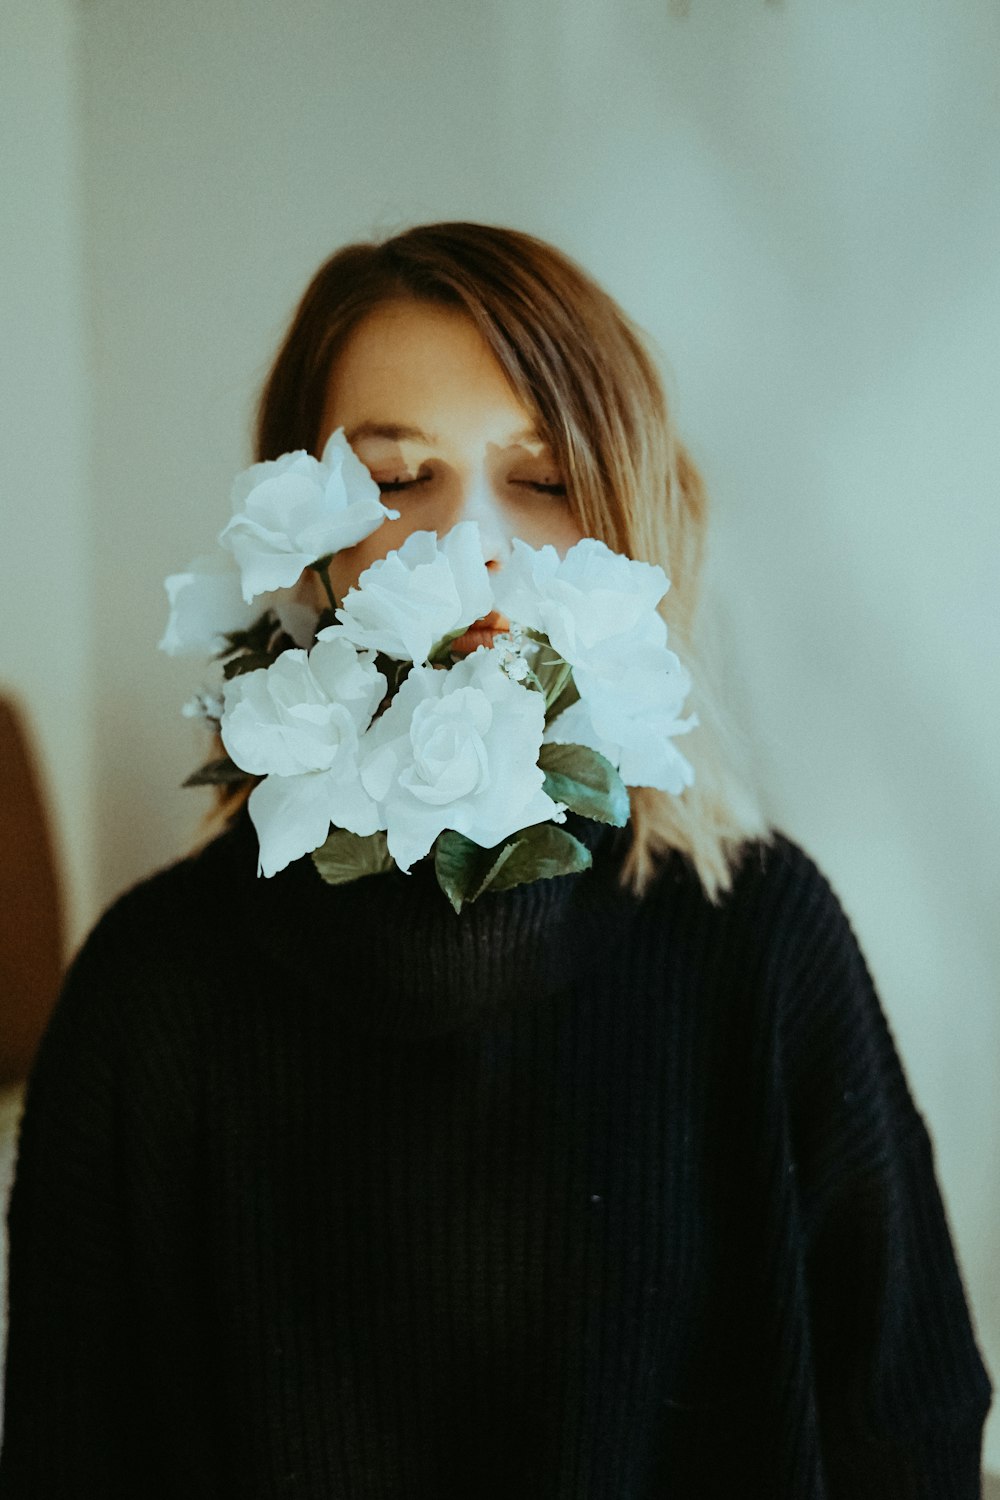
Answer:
(610, 1186)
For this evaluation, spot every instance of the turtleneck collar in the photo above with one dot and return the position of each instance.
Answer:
(394, 958)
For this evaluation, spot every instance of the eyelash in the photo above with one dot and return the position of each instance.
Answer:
(546, 489)
(392, 486)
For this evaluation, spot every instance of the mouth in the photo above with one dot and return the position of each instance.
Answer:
(480, 633)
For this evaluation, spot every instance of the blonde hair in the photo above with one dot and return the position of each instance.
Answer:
(583, 369)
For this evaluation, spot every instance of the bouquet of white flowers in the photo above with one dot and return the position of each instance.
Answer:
(440, 710)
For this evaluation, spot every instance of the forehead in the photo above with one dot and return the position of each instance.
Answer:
(415, 363)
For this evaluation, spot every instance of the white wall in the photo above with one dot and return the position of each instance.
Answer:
(45, 564)
(801, 202)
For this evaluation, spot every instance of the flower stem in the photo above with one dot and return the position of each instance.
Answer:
(324, 573)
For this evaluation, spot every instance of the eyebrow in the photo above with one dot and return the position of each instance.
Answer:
(397, 432)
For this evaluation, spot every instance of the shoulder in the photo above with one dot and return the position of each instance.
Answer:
(836, 1052)
(799, 924)
(139, 977)
(783, 880)
(117, 1082)
(794, 906)
(780, 911)
(799, 918)
(781, 954)
(174, 907)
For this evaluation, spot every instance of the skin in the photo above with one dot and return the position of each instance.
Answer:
(415, 365)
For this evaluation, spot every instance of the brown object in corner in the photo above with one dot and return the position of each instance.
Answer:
(31, 921)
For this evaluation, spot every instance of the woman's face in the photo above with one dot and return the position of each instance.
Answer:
(430, 413)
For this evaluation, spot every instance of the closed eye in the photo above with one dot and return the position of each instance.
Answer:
(546, 489)
(391, 486)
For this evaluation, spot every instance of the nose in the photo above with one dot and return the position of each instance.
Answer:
(481, 504)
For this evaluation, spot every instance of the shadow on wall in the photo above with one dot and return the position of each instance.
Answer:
(31, 945)
(31, 908)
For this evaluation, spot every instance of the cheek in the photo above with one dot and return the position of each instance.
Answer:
(572, 532)
(559, 529)
(344, 569)
(347, 566)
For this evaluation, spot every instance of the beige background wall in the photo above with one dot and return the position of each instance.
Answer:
(46, 563)
(799, 200)
(46, 567)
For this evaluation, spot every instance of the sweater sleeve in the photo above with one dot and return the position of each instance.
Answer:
(901, 1389)
(66, 1381)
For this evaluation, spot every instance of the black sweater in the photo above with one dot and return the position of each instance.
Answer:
(330, 1193)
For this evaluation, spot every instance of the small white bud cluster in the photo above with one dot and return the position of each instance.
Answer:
(204, 705)
(510, 646)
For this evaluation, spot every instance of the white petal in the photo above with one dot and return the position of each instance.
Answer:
(360, 487)
(519, 586)
(407, 601)
(257, 475)
(349, 804)
(410, 839)
(458, 749)
(266, 559)
(574, 726)
(463, 548)
(296, 619)
(348, 677)
(205, 605)
(253, 739)
(292, 817)
(659, 765)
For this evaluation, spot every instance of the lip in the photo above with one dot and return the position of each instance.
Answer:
(480, 633)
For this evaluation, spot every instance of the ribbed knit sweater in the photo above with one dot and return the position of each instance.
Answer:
(330, 1193)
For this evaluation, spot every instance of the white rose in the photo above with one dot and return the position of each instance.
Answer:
(409, 600)
(292, 510)
(457, 749)
(299, 723)
(629, 711)
(206, 605)
(583, 600)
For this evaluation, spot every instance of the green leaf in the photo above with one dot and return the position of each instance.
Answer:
(567, 695)
(441, 651)
(463, 867)
(553, 675)
(218, 773)
(348, 856)
(465, 870)
(586, 782)
(538, 853)
(256, 637)
(548, 666)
